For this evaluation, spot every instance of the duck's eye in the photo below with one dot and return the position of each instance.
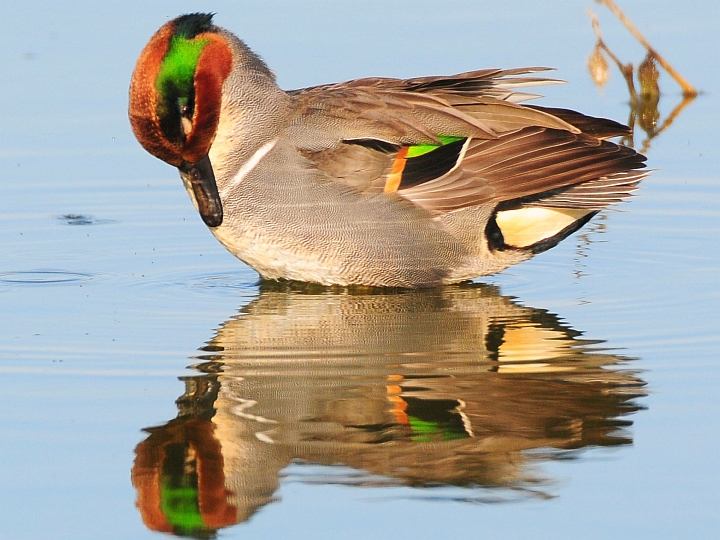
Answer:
(185, 110)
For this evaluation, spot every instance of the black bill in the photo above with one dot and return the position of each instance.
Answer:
(201, 177)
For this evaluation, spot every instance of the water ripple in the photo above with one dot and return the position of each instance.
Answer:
(43, 277)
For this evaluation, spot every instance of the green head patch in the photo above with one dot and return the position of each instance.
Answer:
(175, 82)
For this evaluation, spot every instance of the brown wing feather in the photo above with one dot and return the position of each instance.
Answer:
(495, 83)
(525, 164)
(362, 168)
(502, 116)
(517, 154)
(595, 194)
(329, 115)
(415, 111)
(602, 128)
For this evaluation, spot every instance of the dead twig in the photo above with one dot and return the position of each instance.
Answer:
(625, 69)
(688, 89)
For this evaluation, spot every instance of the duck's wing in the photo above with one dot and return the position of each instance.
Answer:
(354, 131)
(525, 166)
(476, 104)
(328, 116)
(447, 143)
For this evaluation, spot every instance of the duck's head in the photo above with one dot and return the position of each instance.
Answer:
(175, 101)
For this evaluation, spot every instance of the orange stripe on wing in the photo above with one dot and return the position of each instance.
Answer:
(395, 177)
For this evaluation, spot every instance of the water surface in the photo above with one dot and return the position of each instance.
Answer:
(150, 383)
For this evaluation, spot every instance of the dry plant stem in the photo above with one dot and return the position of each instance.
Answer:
(625, 69)
(688, 89)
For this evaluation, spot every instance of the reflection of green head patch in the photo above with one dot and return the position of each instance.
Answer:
(179, 504)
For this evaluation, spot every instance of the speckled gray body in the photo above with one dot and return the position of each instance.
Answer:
(301, 204)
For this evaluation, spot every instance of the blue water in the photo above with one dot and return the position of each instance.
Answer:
(110, 284)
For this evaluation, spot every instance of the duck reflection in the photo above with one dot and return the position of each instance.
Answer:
(447, 387)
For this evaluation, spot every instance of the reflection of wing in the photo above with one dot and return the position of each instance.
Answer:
(424, 388)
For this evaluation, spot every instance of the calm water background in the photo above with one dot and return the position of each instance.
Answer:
(109, 282)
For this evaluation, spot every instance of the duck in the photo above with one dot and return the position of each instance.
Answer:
(378, 182)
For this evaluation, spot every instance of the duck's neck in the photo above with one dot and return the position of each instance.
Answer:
(254, 113)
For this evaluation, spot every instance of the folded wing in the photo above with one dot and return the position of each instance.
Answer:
(449, 143)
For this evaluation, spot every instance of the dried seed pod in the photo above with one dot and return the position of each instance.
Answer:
(598, 67)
